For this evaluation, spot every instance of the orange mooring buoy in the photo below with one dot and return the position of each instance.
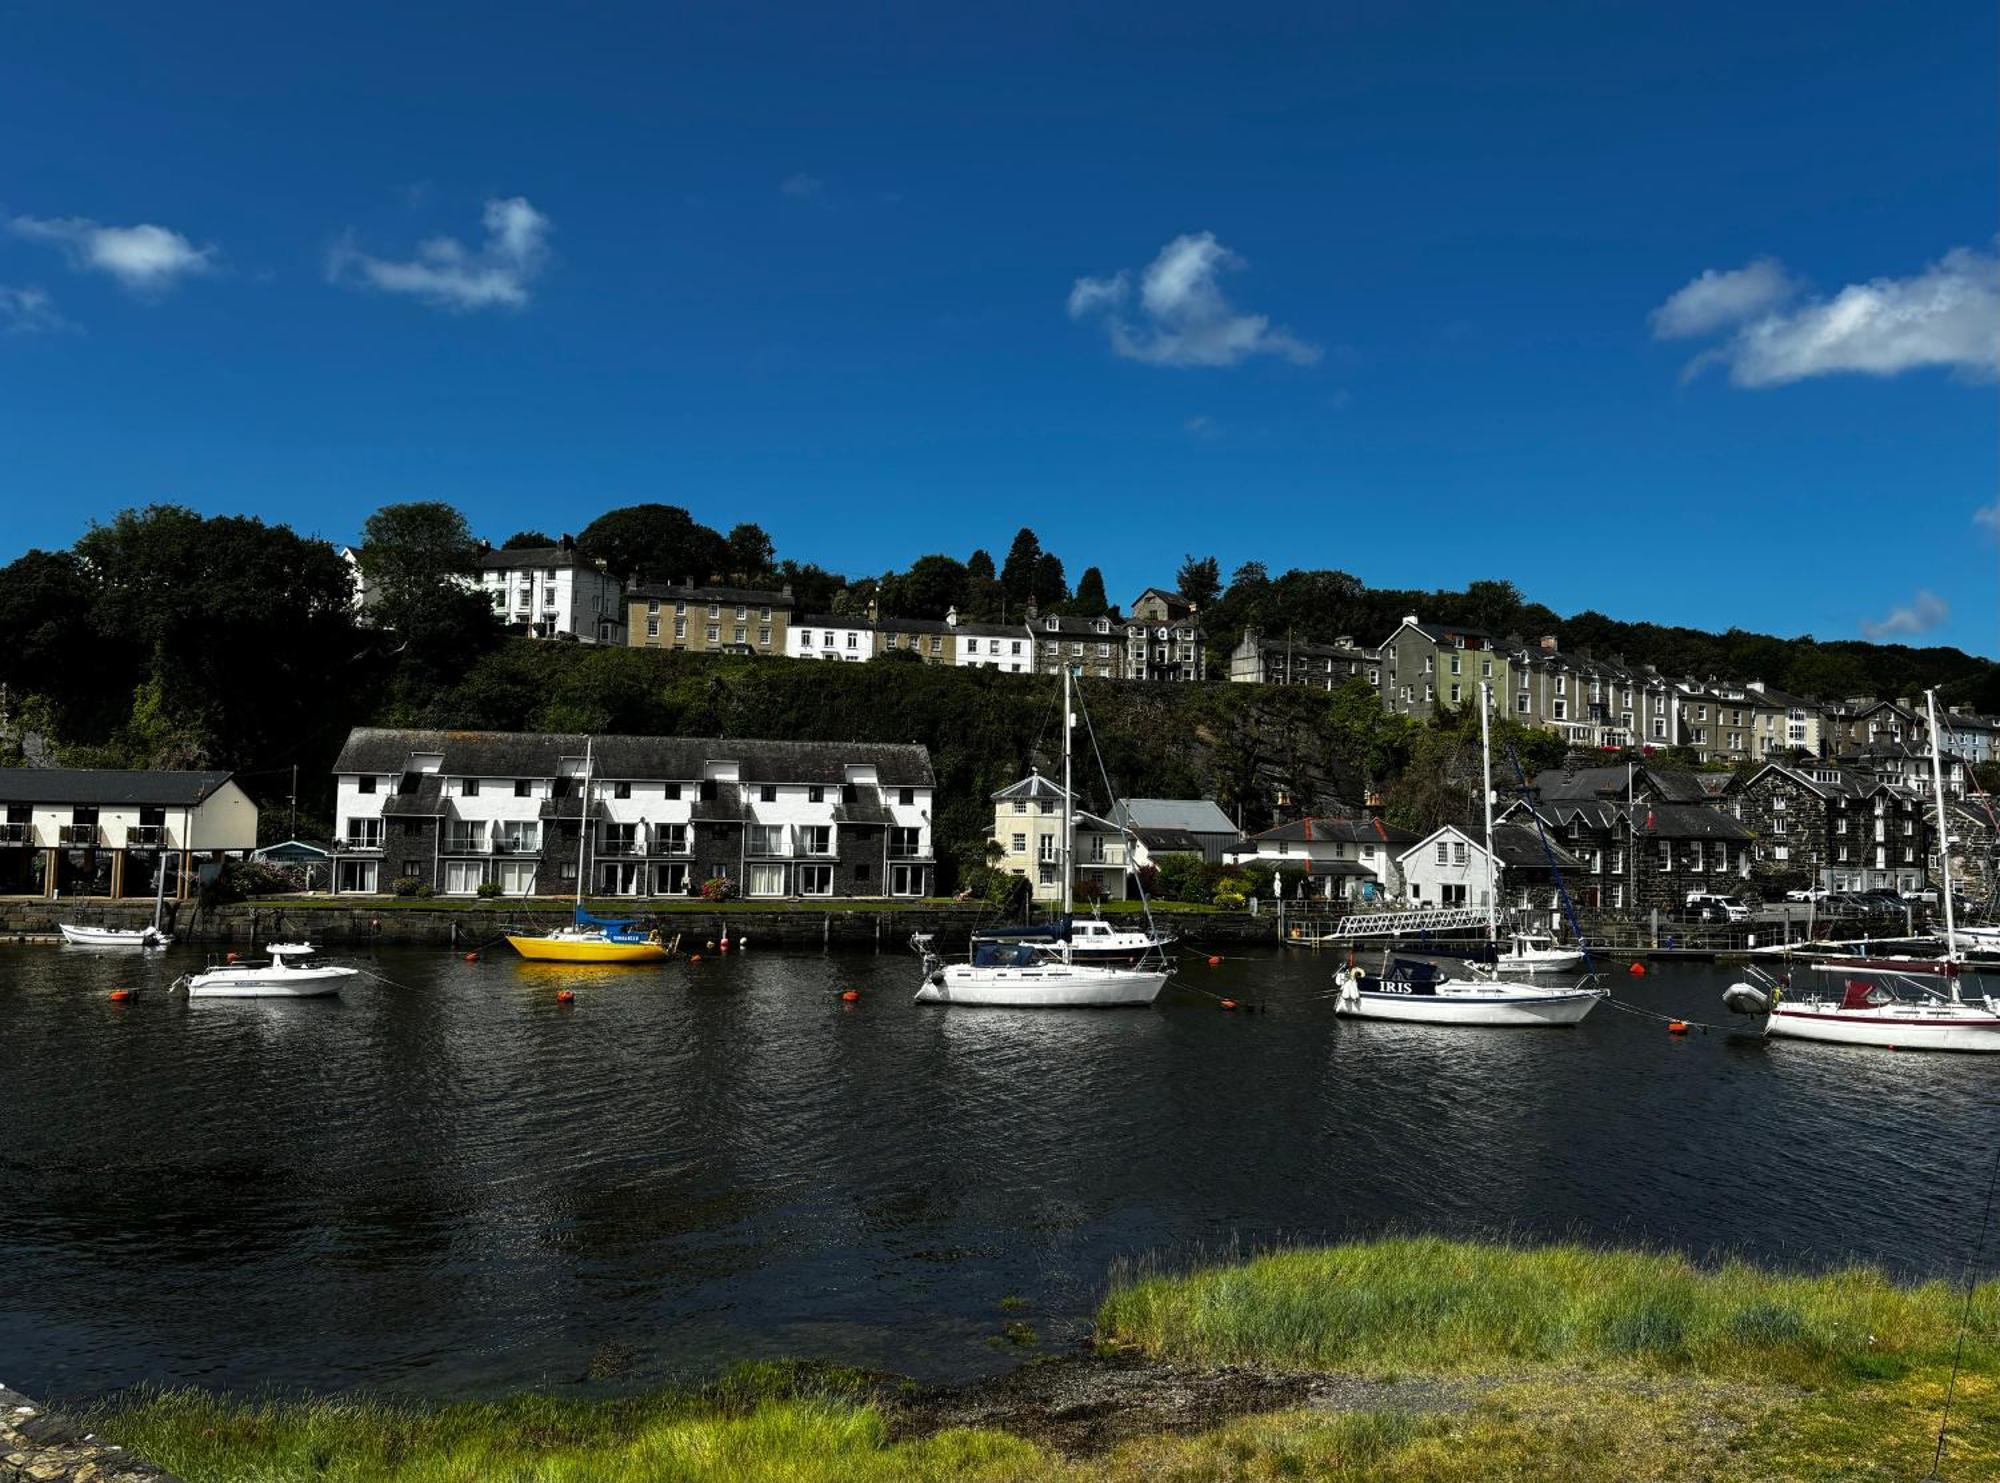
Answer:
(1677, 1027)
(694, 957)
(565, 996)
(120, 996)
(851, 996)
(1228, 1003)
(1214, 962)
(472, 957)
(1637, 970)
(229, 958)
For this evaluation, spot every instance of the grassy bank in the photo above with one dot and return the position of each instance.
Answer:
(1436, 1361)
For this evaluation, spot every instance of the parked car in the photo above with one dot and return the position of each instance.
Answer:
(1928, 897)
(1726, 908)
(1808, 893)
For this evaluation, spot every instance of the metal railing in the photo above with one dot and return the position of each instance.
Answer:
(13, 833)
(145, 834)
(77, 834)
(361, 842)
(466, 844)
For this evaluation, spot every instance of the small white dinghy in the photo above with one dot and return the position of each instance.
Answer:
(1532, 952)
(140, 937)
(1415, 992)
(284, 976)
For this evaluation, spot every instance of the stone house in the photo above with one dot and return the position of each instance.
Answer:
(1429, 667)
(1261, 659)
(709, 620)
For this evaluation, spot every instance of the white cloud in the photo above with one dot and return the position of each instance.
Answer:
(448, 274)
(145, 258)
(1920, 614)
(1716, 300)
(1948, 315)
(1184, 317)
(1988, 516)
(28, 311)
(803, 187)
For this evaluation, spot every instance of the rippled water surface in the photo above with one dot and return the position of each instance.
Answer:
(446, 1182)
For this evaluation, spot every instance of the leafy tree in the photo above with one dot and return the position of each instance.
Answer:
(929, 589)
(1017, 575)
(750, 551)
(410, 551)
(813, 587)
(660, 543)
(1090, 598)
(527, 540)
(982, 587)
(1199, 580)
(48, 645)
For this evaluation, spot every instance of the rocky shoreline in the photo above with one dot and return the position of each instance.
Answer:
(41, 1446)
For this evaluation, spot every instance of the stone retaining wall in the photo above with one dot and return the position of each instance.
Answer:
(39, 1446)
(409, 924)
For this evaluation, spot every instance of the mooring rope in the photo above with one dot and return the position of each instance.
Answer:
(1965, 1313)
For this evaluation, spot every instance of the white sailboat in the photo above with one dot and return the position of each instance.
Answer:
(139, 937)
(1893, 1004)
(1417, 992)
(1537, 952)
(285, 975)
(1025, 973)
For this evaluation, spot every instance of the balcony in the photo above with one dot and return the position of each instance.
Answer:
(13, 834)
(467, 844)
(77, 835)
(620, 847)
(357, 842)
(145, 836)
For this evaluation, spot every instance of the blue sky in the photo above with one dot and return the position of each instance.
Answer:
(1411, 290)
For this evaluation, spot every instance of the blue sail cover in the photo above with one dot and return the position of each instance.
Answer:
(1056, 931)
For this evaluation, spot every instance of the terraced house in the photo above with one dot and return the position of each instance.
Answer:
(1429, 667)
(69, 831)
(465, 813)
(1269, 659)
(709, 620)
(1823, 823)
(1588, 702)
(554, 592)
(1097, 646)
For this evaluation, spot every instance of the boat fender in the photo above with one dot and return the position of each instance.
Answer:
(1746, 999)
(742, 944)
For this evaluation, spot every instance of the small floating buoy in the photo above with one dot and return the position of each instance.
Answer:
(1214, 962)
(1677, 1027)
(1637, 970)
(120, 996)
(1228, 1003)
(565, 996)
(851, 996)
(742, 944)
(711, 945)
(694, 957)
(472, 957)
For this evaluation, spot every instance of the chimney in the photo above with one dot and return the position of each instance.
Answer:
(951, 616)
(1345, 641)
(1549, 645)
(568, 542)
(786, 590)
(1031, 607)
(872, 607)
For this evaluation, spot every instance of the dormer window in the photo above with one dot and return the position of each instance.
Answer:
(1053, 625)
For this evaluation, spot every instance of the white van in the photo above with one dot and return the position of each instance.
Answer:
(1729, 909)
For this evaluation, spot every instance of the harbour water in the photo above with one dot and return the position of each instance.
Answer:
(446, 1183)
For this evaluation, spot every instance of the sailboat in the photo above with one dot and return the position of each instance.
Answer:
(139, 937)
(1887, 1003)
(1414, 991)
(1049, 972)
(589, 939)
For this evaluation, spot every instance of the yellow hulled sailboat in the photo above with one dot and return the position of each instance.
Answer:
(589, 939)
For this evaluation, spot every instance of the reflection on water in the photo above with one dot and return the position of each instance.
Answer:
(445, 1181)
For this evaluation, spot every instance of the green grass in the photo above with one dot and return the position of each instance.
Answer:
(1423, 1303)
(1564, 1362)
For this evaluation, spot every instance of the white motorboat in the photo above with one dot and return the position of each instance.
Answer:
(1091, 940)
(1979, 939)
(1534, 952)
(1891, 1003)
(1419, 993)
(1019, 972)
(284, 976)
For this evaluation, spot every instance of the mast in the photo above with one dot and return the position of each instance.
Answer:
(583, 826)
(1069, 805)
(159, 881)
(1944, 840)
(1486, 797)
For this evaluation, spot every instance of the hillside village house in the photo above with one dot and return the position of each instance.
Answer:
(1261, 659)
(1429, 667)
(1174, 826)
(1824, 823)
(1588, 702)
(105, 832)
(1162, 639)
(1003, 646)
(1968, 735)
(554, 592)
(1027, 826)
(1352, 860)
(1090, 646)
(1450, 867)
(458, 810)
(847, 638)
(709, 620)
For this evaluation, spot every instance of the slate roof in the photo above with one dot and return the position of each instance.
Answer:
(1574, 783)
(747, 596)
(1078, 628)
(1338, 831)
(1196, 815)
(107, 787)
(1687, 821)
(536, 556)
(1520, 845)
(1848, 784)
(507, 754)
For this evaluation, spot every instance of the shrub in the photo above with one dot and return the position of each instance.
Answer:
(405, 885)
(488, 889)
(717, 888)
